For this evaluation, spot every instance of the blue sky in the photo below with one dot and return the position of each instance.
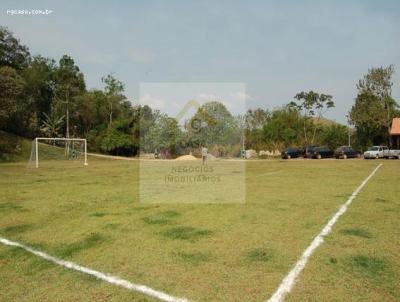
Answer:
(276, 48)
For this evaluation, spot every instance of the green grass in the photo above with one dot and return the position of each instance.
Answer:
(260, 254)
(194, 258)
(202, 251)
(356, 232)
(186, 233)
(167, 217)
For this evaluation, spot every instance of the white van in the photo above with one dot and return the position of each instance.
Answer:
(375, 152)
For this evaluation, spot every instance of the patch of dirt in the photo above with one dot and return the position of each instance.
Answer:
(186, 157)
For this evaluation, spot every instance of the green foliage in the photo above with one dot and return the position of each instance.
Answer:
(52, 124)
(215, 127)
(113, 91)
(284, 128)
(312, 104)
(116, 140)
(374, 108)
(11, 92)
(162, 135)
(333, 136)
(12, 53)
(254, 123)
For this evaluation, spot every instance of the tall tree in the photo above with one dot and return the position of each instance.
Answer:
(12, 88)
(312, 104)
(69, 84)
(40, 87)
(113, 90)
(374, 107)
(12, 53)
(212, 124)
(52, 124)
(284, 128)
(255, 121)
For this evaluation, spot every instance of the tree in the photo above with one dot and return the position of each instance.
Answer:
(212, 124)
(113, 90)
(90, 113)
(284, 128)
(117, 139)
(255, 121)
(334, 135)
(11, 92)
(40, 87)
(162, 135)
(374, 107)
(12, 53)
(52, 125)
(69, 84)
(312, 104)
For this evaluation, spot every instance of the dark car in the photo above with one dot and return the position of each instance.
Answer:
(322, 152)
(291, 153)
(308, 150)
(346, 152)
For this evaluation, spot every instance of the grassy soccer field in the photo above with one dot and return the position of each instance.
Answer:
(203, 252)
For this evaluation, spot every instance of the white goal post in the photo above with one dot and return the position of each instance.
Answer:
(37, 139)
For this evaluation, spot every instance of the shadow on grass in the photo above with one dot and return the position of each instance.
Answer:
(10, 206)
(68, 250)
(17, 229)
(163, 218)
(98, 214)
(111, 226)
(259, 255)
(195, 258)
(369, 266)
(28, 264)
(186, 233)
(356, 232)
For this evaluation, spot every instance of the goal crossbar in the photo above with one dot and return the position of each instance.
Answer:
(37, 139)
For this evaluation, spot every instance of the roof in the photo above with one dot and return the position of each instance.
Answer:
(395, 126)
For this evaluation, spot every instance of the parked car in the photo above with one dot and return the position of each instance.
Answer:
(308, 150)
(291, 153)
(391, 153)
(375, 152)
(346, 152)
(322, 152)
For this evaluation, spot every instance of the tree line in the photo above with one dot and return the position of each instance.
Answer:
(43, 97)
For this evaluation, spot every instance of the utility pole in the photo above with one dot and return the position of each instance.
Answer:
(67, 130)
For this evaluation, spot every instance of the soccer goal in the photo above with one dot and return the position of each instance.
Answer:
(58, 148)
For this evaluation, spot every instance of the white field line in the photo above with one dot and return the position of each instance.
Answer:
(288, 282)
(99, 275)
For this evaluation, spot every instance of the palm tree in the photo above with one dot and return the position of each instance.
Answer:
(52, 125)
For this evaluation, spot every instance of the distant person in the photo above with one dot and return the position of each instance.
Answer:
(204, 152)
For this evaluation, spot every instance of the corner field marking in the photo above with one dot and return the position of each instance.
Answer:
(288, 282)
(99, 275)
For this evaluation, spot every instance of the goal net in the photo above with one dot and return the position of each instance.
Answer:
(68, 150)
